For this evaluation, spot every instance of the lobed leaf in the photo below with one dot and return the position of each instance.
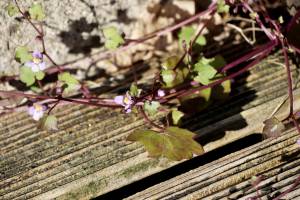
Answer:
(175, 143)
(151, 107)
(27, 76)
(113, 39)
(69, 80)
(39, 75)
(187, 33)
(176, 116)
(36, 12)
(205, 71)
(134, 90)
(168, 77)
(11, 9)
(49, 123)
(222, 7)
(273, 127)
(22, 54)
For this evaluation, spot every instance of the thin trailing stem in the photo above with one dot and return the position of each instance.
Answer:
(145, 116)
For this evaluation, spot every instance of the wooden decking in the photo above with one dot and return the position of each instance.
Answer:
(89, 157)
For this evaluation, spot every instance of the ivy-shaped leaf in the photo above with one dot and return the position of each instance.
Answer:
(48, 122)
(273, 127)
(170, 63)
(151, 107)
(168, 77)
(11, 9)
(113, 39)
(134, 90)
(217, 62)
(36, 12)
(221, 91)
(201, 40)
(174, 143)
(22, 54)
(71, 82)
(27, 76)
(187, 33)
(39, 75)
(222, 7)
(197, 101)
(204, 70)
(176, 116)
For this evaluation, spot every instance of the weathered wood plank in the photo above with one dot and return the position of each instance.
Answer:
(230, 176)
(89, 155)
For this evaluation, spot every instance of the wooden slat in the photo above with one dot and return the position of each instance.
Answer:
(89, 155)
(230, 177)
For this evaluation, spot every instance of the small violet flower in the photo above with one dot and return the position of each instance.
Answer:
(36, 111)
(37, 63)
(126, 101)
(161, 93)
(298, 141)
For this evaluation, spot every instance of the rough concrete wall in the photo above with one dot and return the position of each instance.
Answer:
(72, 27)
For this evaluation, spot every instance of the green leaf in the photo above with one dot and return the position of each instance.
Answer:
(22, 54)
(196, 102)
(48, 122)
(205, 71)
(27, 75)
(151, 107)
(201, 40)
(11, 9)
(71, 82)
(39, 75)
(221, 91)
(186, 33)
(176, 116)
(168, 76)
(170, 63)
(222, 7)
(35, 89)
(113, 39)
(218, 61)
(36, 12)
(134, 90)
(67, 78)
(174, 143)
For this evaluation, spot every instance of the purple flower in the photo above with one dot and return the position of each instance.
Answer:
(37, 63)
(298, 141)
(161, 93)
(36, 111)
(126, 101)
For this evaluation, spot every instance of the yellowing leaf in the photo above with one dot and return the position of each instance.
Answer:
(11, 9)
(170, 63)
(273, 127)
(175, 143)
(48, 122)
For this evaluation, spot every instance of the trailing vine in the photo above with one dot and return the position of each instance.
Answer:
(184, 78)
